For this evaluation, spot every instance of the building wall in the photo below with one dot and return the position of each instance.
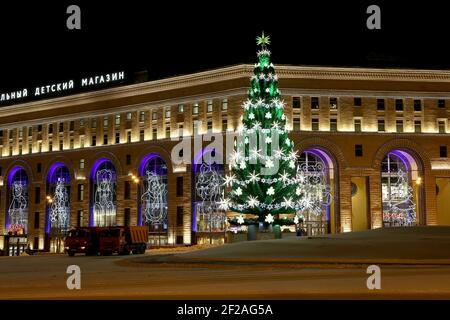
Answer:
(117, 111)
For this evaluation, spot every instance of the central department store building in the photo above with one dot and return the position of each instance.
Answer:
(361, 124)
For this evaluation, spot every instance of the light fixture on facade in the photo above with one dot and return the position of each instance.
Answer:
(419, 181)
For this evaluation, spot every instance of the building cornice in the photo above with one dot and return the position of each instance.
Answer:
(233, 73)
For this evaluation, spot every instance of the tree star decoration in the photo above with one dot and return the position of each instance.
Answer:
(263, 40)
(240, 219)
(269, 218)
(270, 191)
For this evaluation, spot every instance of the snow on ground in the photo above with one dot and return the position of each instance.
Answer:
(387, 245)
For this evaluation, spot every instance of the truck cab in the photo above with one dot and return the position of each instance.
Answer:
(81, 240)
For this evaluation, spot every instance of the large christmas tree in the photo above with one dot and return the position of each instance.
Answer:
(263, 165)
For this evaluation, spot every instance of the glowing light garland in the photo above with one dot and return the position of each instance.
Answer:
(154, 199)
(18, 208)
(60, 208)
(104, 204)
(209, 189)
(399, 208)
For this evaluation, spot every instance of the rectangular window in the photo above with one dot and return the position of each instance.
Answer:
(167, 113)
(127, 217)
(209, 106)
(71, 125)
(380, 104)
(30, 147)
(141, 135)
(80, 218)
(71, 144)
(296, 124)
(129, 136)
(167, 132)
(61, 127)
(81, 123)
(333, 125)
(398, 105)
(154, 115)
(224, 125)
(195, 109)
(358, 150)
(30, 132)
(142, 116)
(128, 159)
(209, 125)
(81, 163)
(81, 141)
(105, 122)
(127, 190)
(61, 144)
(50, 145)
(180, 108)
(441, 126)
(37, 195)
(333, 103)
(443, 151)
(179, 216)
(39, 167)
(296, 103)
(357, 102)
(40, 128)
(399, 125)
(117, 137)
(315, 124)
(105, 139)
(180, 129)
(441, 103)
(417, 126)
(381, 126)
(179, 186)
(357, 124)
(36, 220)
(314, 103)
(129, 115)
(154, 134)
(417, 105)
(94, 123)
(50, 128)
(80, 192)
(94, 141)
(20, 133)
(224, 104)
(179, 240)
(117, 119)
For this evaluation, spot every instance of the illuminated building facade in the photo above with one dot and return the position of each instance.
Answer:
(379, 138)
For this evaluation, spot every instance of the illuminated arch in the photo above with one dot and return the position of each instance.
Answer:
(16, 220)
(103, 198)
(152, 200)
(317, 169)
(207, 188)
(401, 193)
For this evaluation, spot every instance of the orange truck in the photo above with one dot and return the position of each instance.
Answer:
(107, 240)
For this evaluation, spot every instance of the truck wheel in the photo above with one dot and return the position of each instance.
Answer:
(144, 247)
(71, 254)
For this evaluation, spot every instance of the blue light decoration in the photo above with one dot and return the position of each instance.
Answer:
(58, 209)
(103, 194)
(208, 189)
(399, 208)
(153, 196)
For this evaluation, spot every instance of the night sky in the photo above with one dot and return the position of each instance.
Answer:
(172, 38)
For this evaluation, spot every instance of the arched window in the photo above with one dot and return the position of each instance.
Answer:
(17, 204)
(153, 194)
(314, 172)
(207, 191)
(58, 199)
(103, 194)
(399, 172)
